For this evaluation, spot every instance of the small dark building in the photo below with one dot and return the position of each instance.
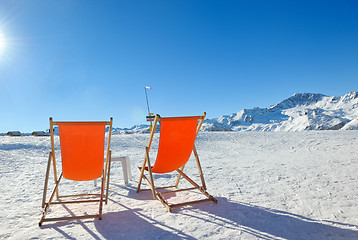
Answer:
(13, 133)
(40, 133)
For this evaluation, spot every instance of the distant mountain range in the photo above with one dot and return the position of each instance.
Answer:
(302, 111)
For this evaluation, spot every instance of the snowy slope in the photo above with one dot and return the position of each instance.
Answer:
(269, 185)
(352, 125)
(307, 111)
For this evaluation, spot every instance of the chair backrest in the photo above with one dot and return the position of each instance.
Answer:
(176, 142)
(82, 149)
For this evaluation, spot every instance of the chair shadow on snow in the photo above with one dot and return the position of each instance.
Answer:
(260, 222)
(239, 217)
(127, 223)
(58, 225)
(132, 223)
(268, 223)
(124, 224)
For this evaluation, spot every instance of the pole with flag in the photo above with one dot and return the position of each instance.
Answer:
(150, 117)
(146, 97)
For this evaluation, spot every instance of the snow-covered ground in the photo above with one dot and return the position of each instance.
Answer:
(269, 185)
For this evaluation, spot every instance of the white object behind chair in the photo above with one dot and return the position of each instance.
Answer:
(126, 167)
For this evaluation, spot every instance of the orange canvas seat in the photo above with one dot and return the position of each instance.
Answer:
(176, 143)
(82, 151)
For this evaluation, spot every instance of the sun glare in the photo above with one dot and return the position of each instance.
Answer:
(2, 43)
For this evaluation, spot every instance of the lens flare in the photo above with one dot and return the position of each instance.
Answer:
(2, 43)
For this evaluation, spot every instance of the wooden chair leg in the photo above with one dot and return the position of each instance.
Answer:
(178, 179)
(47, 205)
(109, 173)
(150, 173)
(101, 200)
(199, 167)
(46, 179)
(142, 173)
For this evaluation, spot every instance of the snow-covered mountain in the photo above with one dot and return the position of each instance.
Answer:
(135, 129)
(302, 111)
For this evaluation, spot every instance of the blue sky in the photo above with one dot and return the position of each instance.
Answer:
(90, 60)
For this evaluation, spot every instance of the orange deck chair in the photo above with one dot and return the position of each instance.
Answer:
(176, 143)
(82, 152)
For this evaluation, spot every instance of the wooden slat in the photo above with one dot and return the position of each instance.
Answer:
(76, 201)
(200, 123)
(108, 148)
(157, 188)
(70, 218)
(148, 182)
(47, 205)
(101, 199)
(189, 203)
(46, 180)
(178, 178)
(199, 167)
(81, 195)
(150, 172)
(178, 190)
(53, 154)
(188, 179)
(156, 119)
(164, 202)
(109, 174)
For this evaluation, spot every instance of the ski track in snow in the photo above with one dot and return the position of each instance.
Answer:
(269, 185)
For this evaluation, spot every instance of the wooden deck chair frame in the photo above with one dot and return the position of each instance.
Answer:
(90, 198)
(146, 167)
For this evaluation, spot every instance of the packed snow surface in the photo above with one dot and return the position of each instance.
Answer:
(269, 185)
